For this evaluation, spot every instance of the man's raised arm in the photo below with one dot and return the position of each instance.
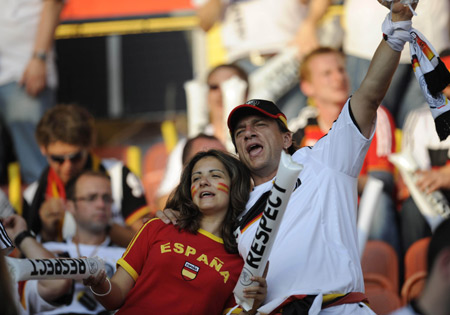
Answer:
(368, 97)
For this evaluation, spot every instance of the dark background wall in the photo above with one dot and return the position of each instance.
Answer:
(154, 68)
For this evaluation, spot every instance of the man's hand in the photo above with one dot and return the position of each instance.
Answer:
(34, 78)
(306, 39)
(400, 11)
(433, 180)
(52, 214)
(14, 225)
(167, 216)
(258, 293)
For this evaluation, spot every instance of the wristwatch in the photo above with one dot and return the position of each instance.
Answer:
(23, 235)
(41, 55)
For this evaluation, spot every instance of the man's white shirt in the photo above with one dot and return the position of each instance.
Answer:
(316, 249)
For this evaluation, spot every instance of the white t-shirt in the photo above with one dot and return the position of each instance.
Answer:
(19, 21)
(316, 248)
(363, 19)
(29, 301)
(264, 26)
(419, 135)
(110, 254)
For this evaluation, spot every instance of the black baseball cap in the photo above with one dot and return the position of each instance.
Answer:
(252, 107)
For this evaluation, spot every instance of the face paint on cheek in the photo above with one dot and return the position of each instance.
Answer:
(223, 187)
(193, 191)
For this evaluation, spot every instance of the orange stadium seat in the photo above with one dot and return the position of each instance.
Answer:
(155, 161)
(415, 269)
(381, 259)
(383, 301)
(416, 257)
(377, 281)
(413, 286)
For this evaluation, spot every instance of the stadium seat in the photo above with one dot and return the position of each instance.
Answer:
(377, 281)
(413, 286)
(381, 259)
(383, 301)
(155, 161)
(416, 257)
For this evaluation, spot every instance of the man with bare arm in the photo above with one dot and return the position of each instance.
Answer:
(314, 262)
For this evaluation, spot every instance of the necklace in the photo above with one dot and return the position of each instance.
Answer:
(94, 251)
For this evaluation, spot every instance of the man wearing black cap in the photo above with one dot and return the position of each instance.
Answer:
(314, 261)
(315, 252)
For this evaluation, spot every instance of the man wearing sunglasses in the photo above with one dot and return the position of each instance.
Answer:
(65, 135)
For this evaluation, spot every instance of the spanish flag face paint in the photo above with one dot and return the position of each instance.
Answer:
(223, 187)
(193, 191)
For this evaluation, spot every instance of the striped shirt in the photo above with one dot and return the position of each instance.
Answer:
(5, 241)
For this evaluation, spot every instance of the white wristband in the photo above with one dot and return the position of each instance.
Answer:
(102, 294)
(396, 34)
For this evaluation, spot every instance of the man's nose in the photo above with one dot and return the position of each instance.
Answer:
(249, 132)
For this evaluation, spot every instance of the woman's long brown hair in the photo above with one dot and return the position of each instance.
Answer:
(190, 216)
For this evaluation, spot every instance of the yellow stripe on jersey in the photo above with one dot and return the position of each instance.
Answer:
(237, 310)
(211, 236)
(121, 262)
(136, 236)
(126, 266)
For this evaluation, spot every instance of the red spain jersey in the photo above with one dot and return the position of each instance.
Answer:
(177, 272)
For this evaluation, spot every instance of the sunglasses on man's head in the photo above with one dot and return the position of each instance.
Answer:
(73, 158)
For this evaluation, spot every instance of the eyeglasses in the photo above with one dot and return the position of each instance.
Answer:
(108, 199)
(213, 87)
(73, 158)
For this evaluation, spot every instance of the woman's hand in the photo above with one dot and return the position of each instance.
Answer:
(98, 283)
